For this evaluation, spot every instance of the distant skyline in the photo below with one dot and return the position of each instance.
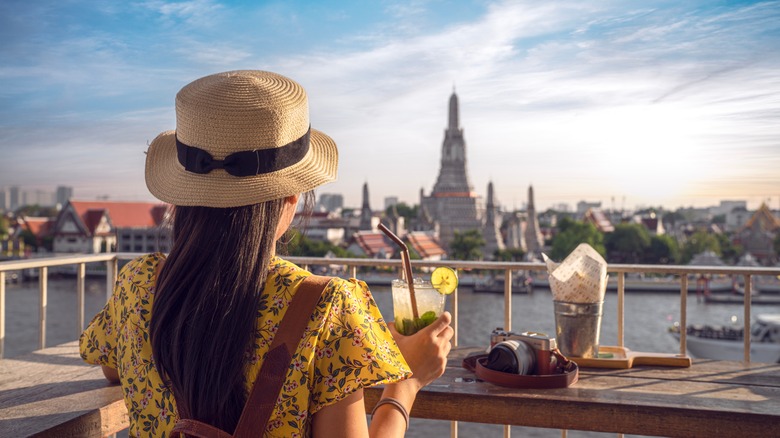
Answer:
(652, 103)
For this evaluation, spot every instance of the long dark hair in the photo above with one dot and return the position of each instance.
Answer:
(205, 307)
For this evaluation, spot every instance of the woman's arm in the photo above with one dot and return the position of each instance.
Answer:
(426, 353)
(111, 374)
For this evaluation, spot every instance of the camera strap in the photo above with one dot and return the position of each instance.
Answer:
(569, 373)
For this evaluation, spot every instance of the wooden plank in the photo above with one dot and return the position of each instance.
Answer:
(54, 393)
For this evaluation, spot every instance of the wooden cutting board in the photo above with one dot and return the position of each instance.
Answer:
(621, 357)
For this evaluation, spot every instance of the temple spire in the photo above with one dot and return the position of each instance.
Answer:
(365, 212)
(491, 231)
(533, 233)
(454, 124)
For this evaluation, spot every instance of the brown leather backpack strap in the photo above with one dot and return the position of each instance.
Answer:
(197, 429)
(273, 372)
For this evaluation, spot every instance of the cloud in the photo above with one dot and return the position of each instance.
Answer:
(197, 13)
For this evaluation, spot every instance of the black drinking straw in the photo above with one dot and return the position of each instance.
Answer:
(407, 265)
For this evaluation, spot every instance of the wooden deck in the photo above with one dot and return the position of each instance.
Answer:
(53, 393)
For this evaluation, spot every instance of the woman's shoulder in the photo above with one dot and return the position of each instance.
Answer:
(143, 266)
(288, 274)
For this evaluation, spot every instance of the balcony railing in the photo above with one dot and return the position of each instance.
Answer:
(111, 261)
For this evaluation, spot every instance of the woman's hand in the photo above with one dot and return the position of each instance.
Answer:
(426, 351)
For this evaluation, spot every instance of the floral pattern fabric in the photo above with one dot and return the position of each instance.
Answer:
(346, 346)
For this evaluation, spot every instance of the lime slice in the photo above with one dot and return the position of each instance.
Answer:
(444, 280)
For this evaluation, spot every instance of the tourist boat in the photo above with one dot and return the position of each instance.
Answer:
(727, 342)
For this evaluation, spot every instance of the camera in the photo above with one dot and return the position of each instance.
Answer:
(523, 353)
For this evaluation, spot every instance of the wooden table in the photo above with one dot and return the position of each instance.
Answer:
(53, 393)
(709, 399)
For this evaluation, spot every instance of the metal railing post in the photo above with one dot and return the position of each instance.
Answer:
(81, 272)
(112, 272)
(508, 299)
(620, 306)
(2, 313)
(683, 314)
(43, 285)
(747, 304)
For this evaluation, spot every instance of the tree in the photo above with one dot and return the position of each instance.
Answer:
(403, 210)
(3, 227)
(467, 245)
(29, 238)
(776, 244)
(728, 250)
(699, 242)
(627, 244)
(663, 250)
(302, 246)
(672, 218)
(509, 255)
(571, 234)
(37, 211)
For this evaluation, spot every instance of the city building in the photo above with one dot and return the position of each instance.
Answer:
(331, 202)
(758, 234)
(105, 226)
(584, 206)
(425, 246)
(371, 244)
(597, 217)
(63, 195)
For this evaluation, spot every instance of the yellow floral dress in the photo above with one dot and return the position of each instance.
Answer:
(347, 346)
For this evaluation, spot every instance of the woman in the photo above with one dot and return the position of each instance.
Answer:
(198, 323)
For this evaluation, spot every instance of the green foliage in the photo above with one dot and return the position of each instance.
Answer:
(467, 245)
(673, 217)
(404, 210)
(719, 219)
(728, 250)
(509, 255)
(627, 244)
(36, 211)
(571, 233)
(302, 246)
(3, 227)
(663, 250)
(699, 242)
(29, 238)
(776, 244)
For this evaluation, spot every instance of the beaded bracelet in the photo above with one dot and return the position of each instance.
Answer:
(397, 404)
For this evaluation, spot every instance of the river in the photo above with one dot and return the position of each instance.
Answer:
(647, 316)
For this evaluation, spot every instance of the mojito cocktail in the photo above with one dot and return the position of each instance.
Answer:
(430, 305)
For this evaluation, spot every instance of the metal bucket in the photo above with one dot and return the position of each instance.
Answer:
(577, 328)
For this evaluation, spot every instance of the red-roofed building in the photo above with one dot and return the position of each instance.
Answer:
(653, 223)
(40, 227)
(757, 236)
(371, 244)
(597, 217)
(425, 245)
(105, 226)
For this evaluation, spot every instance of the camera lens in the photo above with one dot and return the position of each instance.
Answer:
(512, 356)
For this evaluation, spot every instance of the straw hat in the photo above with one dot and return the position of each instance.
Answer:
(241, 138)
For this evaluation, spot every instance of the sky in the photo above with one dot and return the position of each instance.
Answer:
(628, 103)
